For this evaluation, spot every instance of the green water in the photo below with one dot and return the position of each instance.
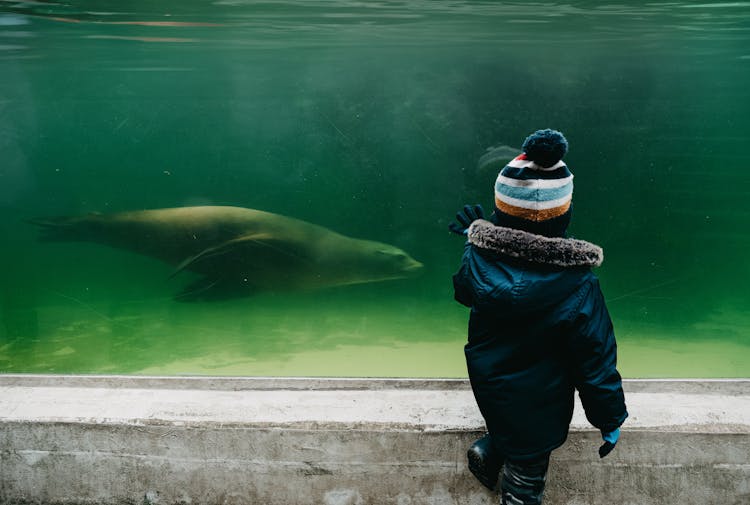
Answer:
(367, 118)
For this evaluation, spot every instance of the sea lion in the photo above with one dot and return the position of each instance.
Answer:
(238, 251)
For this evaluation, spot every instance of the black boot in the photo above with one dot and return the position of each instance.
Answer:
(484, 463)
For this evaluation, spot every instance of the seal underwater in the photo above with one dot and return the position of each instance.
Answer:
(238, 251)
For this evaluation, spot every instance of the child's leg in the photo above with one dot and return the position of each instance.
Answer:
(523, 481)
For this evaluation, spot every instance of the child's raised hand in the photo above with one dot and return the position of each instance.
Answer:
(465, 217)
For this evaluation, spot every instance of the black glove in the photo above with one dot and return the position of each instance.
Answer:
(465, 217)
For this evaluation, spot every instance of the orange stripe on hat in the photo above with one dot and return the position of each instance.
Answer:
(532, 214)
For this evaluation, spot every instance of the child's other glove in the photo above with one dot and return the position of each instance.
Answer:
(610, 440)
(465, 217)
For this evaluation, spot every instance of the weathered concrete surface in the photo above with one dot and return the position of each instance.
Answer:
(139, 440)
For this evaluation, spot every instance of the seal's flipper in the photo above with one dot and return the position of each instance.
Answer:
(207, 289)
(63, 229)
(245, 253)
(53, 229)
(203, 255)
(195, 290)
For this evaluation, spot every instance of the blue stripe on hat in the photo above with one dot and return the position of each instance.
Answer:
(534, 194)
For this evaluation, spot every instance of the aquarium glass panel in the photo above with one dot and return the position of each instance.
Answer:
(234, 187)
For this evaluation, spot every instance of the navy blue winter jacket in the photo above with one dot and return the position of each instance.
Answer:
(538, 329)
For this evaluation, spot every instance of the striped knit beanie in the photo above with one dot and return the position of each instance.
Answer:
(534, 191)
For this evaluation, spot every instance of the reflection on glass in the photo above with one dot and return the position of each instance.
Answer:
(366, 121)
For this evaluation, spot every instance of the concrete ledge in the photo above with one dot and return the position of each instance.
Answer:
(136, 440)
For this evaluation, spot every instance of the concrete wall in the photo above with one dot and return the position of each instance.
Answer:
(131, 440)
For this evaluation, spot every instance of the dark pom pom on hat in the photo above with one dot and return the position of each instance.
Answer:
(545, 147)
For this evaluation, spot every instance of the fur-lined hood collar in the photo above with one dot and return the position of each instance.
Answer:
(562, 252)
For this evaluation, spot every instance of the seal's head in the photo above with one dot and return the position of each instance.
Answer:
(371, 261)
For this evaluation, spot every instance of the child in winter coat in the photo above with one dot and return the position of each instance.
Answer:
(539, 327)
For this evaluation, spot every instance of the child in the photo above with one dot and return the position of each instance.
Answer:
(539, 326)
